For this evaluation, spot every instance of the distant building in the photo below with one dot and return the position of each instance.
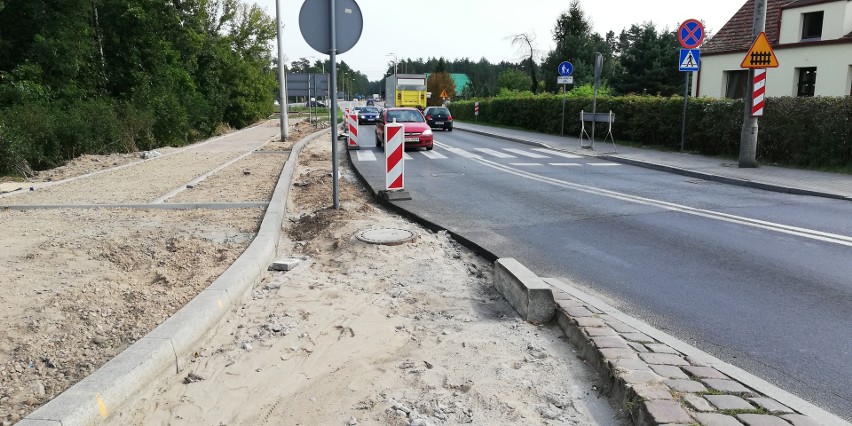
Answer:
(812, 40)
(460, 80)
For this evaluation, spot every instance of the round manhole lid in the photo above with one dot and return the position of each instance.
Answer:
(386, 236)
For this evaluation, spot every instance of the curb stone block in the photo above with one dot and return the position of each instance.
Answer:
(590, 322)
(638, 347)
(728, 386)
(664, 359)
(650, 392)
(629, 364)
(637, 337)
(661, 348)
(641, 377)
(669, 371)
(661, 411)
(610, 342)
(704, 372)
(698, 403)
(679, 385)
(771, 405)
(729, 402)
(600, 331)
(611, 354)
(715, 419)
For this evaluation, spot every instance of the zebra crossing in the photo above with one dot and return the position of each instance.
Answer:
(545, 156)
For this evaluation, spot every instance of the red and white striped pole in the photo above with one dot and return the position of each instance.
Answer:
(394, 163)
(353, 131)
(759, 92)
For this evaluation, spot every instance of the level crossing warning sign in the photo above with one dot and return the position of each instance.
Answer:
(760, 55)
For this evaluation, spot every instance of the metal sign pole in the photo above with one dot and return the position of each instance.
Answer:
(282, 84)
(683, 118)
(748, 136)
(564, 88)
(333, 53)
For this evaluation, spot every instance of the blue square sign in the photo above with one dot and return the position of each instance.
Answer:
(690, 60)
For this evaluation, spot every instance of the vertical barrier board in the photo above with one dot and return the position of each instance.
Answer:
(394, 163)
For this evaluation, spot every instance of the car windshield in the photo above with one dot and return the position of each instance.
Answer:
(439, 111)
(405, 116)
(370, 110)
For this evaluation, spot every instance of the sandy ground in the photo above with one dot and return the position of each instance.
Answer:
(412, 334)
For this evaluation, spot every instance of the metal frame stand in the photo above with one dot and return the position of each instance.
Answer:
(608, 118)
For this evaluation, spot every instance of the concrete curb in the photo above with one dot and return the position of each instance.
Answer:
(670, 169)
(170, 345)
(525, 291)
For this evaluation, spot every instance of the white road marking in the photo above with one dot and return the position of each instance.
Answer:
(434, 155)
(406, 156)
(565, 164)
(525, 153)
(365, 155)
(813, 234)
(557, 153)
(495, 153)
(603, 164)
(526, 164)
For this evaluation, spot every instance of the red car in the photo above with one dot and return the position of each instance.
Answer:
(417, 131)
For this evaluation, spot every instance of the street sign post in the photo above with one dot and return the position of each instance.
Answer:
(565, 78)
(690, 34)
(331, 27)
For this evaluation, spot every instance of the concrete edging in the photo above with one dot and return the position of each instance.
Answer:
(524, 290)
(169, 345)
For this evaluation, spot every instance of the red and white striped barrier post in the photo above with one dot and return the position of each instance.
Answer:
(394, 163)
(353, 131)
(759, 92)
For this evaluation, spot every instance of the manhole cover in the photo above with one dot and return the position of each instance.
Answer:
(386, 236)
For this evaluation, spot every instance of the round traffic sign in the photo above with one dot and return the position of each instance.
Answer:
(565, 69)
(690, 34)
(314, 18)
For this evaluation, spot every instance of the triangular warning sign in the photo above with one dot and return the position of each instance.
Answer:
(689, 61)
(760, 55)
(444, 94)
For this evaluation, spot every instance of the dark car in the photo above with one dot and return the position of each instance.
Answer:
(439, 118)
(370, 102)
(417, 132)
(314, 104)
(368, 115)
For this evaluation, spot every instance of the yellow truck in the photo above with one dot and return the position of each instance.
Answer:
(405, 90)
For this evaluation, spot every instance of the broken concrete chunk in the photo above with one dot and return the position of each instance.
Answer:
(286, 264)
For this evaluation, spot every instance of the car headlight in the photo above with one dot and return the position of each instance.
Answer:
(427, 132)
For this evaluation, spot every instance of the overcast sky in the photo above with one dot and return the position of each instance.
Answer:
(474, 29)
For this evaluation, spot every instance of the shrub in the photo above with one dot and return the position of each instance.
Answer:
(807, 132)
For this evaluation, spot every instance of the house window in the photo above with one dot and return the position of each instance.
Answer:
(807, 81)
(812, 25)
(736, 84)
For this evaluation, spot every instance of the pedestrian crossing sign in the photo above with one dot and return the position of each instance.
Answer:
(760, 55)
(690, 59)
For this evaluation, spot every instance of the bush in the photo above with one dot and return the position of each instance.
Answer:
(807, 132)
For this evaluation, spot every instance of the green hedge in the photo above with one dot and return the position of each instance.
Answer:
(805, 132)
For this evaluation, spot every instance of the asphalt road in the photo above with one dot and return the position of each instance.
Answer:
(759, 279)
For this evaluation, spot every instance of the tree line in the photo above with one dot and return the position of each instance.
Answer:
(97, 76)
(639, 60)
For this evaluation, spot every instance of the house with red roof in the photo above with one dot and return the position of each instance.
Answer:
(812, 40)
